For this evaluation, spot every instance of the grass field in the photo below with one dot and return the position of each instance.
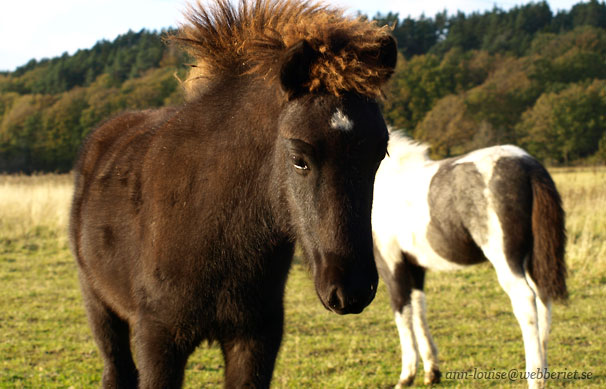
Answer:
(45, 341)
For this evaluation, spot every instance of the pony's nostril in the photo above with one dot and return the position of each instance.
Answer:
(334, 300)
(341, 302)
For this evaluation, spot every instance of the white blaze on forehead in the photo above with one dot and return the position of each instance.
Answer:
(340, 121)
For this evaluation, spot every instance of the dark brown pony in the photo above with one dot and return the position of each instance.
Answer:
(184, 219)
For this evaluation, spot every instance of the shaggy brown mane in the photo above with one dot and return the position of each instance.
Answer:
(251, 38)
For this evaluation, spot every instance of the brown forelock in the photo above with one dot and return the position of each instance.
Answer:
(251, 38)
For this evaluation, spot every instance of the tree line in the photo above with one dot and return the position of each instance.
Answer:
(525, 76)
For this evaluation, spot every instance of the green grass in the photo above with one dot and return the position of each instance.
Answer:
(45, 341)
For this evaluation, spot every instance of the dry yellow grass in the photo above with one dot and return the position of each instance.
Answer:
(40, 203)
(32, 205)
(583, 192)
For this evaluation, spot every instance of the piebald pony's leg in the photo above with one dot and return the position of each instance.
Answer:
(544, 316)
(544, 311)
(405, 281)
(395, 271)
(425, 343)
(523, 300)
(410, 356)
(525, 310)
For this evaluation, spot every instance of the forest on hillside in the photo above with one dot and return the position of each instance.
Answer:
(526, 76)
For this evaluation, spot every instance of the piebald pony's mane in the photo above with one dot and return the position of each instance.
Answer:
(254, 36)
(405, 150)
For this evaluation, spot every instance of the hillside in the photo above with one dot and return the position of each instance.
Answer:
(527, 76)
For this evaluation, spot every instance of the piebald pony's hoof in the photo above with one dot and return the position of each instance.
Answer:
(405, 382)
(432, 377)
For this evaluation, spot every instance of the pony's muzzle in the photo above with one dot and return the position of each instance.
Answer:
(346, 302)
(345, 293)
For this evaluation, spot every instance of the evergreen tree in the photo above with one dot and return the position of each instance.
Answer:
(463, 81)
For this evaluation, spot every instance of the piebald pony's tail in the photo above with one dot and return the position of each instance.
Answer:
(547, 266)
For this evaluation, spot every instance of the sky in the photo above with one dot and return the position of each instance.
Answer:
(46, 29)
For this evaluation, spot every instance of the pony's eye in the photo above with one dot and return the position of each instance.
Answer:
(299, 163)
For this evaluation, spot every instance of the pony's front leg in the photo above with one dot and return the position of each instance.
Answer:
(250, 358)
(410, 356)
(425, 343)
(161, 359)
(400, 279)
(112, 336)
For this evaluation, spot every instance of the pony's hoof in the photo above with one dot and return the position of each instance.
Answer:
(432, 377)
(536, 384)
(405, 382)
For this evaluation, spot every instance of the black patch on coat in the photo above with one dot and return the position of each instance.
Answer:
(457, 207)
(406, 277)
(512, 191)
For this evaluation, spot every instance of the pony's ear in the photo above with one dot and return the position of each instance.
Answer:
(385, 57)
(296, 65)
(389, 52)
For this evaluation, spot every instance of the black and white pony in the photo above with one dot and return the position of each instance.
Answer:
(497, 204)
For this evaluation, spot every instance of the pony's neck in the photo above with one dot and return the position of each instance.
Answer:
(407, 152)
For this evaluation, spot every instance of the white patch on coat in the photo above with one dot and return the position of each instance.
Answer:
(403, 178)
(485, 159)
(340, 121)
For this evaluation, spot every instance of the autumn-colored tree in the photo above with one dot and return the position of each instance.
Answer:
(420, 82)
(21, 130)
(569, 58)
(63, 132)
(567, 125)
(525, 76)
(103, 101)
(503, 97)
(151, 90)
(447, 127)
